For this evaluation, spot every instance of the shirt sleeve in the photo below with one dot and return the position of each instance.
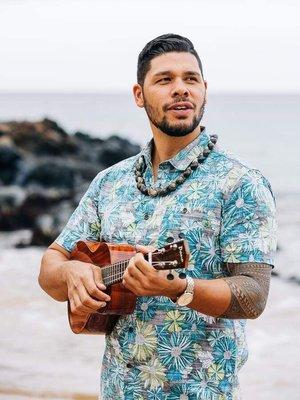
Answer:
(249, 225)
(84, 223)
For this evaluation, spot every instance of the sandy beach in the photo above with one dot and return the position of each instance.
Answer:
(70, 108)
(42, 359)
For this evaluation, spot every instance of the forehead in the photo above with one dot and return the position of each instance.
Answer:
(176, 62)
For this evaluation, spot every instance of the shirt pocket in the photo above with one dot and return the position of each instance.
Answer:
(185, 219)
(200, 227)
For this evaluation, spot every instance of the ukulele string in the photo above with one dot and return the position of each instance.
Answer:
(124, 263)
(117, 275)
(116, 264)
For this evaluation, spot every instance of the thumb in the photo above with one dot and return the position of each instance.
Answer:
(98, 277)
(144, 249)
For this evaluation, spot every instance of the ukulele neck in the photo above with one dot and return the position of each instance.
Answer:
(114, 273)
(174, 255)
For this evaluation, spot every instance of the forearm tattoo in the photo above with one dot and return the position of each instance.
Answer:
(249, 284)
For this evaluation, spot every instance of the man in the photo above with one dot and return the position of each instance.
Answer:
(186, 337)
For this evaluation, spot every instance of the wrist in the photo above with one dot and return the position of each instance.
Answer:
(179, 288)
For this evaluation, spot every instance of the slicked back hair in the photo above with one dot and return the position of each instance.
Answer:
(169, 42)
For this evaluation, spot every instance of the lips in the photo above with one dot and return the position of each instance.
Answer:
(181, 106)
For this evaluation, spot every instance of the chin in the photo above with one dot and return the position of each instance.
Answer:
(175, 121)
(181, 124)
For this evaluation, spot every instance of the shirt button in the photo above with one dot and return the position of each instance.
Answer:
(170, 239)
(146, 216)
(181, 235)
(184, 210)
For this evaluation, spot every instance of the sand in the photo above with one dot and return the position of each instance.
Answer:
(42, 359)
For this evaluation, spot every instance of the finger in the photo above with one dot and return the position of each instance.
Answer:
(143, 265)
(77, 307)
(130, 276)
(88, 302)
(72, 305)
(134, 272)
(144, 249)
(97, 273)
(91, 287)
(96, 293)
(130, 283)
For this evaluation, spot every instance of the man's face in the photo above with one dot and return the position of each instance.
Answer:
(174, 93)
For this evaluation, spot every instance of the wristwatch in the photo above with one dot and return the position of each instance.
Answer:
(187, 296)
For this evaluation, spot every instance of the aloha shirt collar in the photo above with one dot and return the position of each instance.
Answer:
(185, 156)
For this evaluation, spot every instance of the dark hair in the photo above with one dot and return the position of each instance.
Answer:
(163, 44)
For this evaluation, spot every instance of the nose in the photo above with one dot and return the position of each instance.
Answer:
(179, 88)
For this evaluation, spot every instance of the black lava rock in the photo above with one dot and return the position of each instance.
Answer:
(44, 172)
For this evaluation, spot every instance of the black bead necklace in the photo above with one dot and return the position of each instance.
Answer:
(140, 167)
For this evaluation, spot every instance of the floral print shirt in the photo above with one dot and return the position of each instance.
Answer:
(226, 212)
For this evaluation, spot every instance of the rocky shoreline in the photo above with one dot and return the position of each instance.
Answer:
(44, 172)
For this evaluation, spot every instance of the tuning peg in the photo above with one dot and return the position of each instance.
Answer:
(170, 276)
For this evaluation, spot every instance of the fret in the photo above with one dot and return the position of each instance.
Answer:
(104, 273)
(113, 273)
(171, 256)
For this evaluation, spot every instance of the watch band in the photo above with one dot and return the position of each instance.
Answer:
(188, 293)
(190, 285)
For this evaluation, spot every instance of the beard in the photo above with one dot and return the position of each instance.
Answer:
(177, 130)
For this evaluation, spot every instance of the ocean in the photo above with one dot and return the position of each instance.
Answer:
(41, 358)
(261, 129)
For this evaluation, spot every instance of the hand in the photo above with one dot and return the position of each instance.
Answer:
(144, 280)
(84, 282)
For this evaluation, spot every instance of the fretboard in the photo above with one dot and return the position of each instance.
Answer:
(114, 273)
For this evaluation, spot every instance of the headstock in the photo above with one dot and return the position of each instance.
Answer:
(172, 256)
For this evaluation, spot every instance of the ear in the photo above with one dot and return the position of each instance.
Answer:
(138, 95)
(205, 84)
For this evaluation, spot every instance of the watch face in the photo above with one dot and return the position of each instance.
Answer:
(185, 299)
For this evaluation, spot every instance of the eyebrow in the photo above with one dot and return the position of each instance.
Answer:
(170, 72)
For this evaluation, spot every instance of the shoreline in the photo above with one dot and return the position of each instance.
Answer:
(36, 395)
(43, 359)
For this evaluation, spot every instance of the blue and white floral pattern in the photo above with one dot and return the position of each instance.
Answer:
(226, 212)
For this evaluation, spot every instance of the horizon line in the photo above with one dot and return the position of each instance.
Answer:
(123, 92)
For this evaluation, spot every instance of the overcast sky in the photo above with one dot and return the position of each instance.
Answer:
(93, 45)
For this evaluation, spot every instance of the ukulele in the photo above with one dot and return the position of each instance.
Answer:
(113, 260)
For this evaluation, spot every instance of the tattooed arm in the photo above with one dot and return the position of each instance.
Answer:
(249, 285)
(241, 295)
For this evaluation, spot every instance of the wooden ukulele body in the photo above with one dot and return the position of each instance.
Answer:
(113, 260)
(122, 300)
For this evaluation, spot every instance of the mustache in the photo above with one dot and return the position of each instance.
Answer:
(179, 100)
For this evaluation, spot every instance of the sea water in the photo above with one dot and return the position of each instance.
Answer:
(42, 358)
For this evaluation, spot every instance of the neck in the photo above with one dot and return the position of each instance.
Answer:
(166, 147)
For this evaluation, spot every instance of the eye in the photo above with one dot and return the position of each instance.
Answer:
(163, 79)
(192, 78)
